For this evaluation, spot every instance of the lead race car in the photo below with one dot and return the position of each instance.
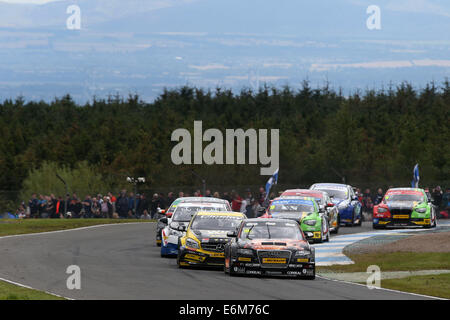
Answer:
(344, 197)
(404, 207)
(205, 238)
(306, 212)
(181, 217)
(269, 247)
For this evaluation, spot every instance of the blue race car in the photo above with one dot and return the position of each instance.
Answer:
(345, 199)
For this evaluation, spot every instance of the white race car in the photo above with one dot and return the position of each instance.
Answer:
(182, 216)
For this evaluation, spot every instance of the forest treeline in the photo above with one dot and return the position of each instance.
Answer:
(370, 138)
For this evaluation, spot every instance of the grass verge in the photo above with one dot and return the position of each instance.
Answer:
(12, 292)
(433, 285)
(14, 227)
(395, 261)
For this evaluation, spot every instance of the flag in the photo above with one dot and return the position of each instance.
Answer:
(272, 180)
(416, 178)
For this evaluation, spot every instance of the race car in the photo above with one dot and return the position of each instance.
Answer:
(403, 207)
(162, 223)
(181, 217)
(323, 200)
(205, 238)
(305, 211)
(344, 197)
(269, 247)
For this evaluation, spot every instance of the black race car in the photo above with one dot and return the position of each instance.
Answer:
(269, 247)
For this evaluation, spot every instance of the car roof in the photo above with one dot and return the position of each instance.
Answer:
(221, 213)
(302, 191)
(289, 198)
(339, 185)
(197, 204)
(200, 199)
(267, 220)
(405, 190)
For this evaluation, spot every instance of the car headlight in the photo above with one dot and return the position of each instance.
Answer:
(302, 253)
(421, 210)
(248, 252)
(382, 210)
(174, 232)
(191, 243)
(310, 222)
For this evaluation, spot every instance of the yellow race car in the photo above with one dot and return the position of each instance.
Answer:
(205, 239)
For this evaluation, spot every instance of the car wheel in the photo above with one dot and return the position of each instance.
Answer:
(338, 223)
(321, 235)
(327, 239)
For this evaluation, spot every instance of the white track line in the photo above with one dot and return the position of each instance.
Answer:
(391, 290)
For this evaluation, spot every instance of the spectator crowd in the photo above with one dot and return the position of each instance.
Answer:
(127, 205)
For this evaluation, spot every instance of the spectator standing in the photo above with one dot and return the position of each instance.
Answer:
(122, 205)
(142, 208)
(155, 204)
(216, 195)
(378, 197)
(87, 206)
(236, 203)
(95, 208)
(367, 202)
(437, 196)
(170, 199)
(226, 196)
(262, 195)
(42, 207)
(208, 193)
(33, 204)
(107, 209)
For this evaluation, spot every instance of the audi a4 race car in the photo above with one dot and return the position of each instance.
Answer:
(323, 200)
(403, 207)
(205, 238)
(181, 217)
(305, 211)
(269, 247)
(163, 222)
(344, 197)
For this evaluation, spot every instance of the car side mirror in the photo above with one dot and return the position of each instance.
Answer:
(261, 212)
(163, 211)
(321, 208)
(330, 204)
(232, 234)
(164, 220)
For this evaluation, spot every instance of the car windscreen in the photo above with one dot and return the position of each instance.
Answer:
(216, 222)
(271, 230)
(403, 197)
(185, 213)
(291, 207)
(336, 193)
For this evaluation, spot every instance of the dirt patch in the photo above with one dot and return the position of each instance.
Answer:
(430, 242)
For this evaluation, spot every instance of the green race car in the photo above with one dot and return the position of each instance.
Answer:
(305, 210)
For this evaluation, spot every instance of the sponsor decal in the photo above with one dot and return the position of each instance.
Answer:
(303, 260)
(400, 216)
(273, 260)
(244, 259)
(194, 257)
(317, 235)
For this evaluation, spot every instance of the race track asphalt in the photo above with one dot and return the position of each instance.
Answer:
(123, 262)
